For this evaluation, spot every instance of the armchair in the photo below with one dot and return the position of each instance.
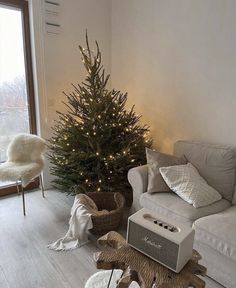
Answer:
(215, 224)
(24, 162)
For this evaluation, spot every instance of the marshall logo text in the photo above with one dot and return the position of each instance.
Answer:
(151, 243)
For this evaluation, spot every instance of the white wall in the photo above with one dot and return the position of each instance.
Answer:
(57, 59)
(177, 61)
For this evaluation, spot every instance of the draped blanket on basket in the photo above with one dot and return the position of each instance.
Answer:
(79, 224)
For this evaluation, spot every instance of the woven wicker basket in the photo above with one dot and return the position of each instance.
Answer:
(114, 203)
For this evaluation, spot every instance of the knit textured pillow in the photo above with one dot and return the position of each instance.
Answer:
(155, 160)
(186, 182)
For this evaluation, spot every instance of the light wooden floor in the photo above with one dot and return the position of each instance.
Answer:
(25, 262)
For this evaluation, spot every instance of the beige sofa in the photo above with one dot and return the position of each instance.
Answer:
(215, 224)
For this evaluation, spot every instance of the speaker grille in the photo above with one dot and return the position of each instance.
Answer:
(153, 245)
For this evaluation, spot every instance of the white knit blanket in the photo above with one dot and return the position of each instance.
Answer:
(79, 224)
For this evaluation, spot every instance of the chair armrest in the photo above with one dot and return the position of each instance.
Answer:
(138, 179)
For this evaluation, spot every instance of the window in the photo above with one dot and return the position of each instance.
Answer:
(17, 106)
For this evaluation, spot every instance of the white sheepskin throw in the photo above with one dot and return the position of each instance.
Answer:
(24, 159)
(101, 280)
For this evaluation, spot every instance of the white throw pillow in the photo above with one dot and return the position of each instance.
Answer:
(186, 182)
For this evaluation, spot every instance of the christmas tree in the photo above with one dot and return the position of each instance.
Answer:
(97, 140)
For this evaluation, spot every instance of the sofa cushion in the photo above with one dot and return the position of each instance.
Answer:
(219, 267)
(186, 182)
(155, 160)
(171, 205)
(215, 163)
(218, 231)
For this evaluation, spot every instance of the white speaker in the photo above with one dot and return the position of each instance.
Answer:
(160, 238)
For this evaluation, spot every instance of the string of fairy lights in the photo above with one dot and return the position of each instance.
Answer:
(63, 161)
(97, 139)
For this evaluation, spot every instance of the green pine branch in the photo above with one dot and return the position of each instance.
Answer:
(97, 140)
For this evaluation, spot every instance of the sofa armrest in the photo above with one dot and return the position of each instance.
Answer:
(138, 179)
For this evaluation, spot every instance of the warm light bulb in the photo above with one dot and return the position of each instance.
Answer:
(97, 153)
(100, 181)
